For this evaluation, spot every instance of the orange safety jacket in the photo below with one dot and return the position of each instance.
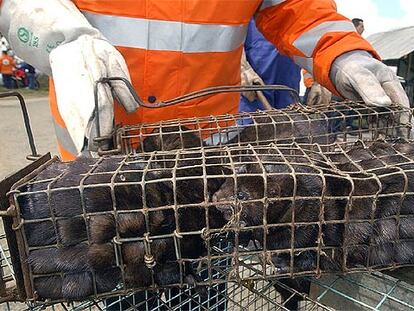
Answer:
(7, 64)
(173, 47)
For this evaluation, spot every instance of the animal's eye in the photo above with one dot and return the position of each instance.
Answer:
(241, 195)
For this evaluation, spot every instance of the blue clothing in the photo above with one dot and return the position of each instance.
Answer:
(30, 71)
(272, 67)
(31, 80)
(27, 67)
(8, 81)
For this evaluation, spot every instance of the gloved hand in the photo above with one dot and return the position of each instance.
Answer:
(318, 95)
(75, 67)
(54, 36)
(34, 28)
(357, 75)
(249, 77)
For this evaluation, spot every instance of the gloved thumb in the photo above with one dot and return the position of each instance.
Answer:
(116, 67)
(314, 95)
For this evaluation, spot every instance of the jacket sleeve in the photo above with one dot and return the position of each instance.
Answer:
(311, 32)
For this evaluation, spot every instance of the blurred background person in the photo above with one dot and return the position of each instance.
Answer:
(359, 25)
(7, 67)
(30, 76)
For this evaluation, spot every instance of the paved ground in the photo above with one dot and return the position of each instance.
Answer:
(14, 145)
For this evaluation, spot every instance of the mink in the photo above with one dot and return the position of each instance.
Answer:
(254, 214)
(91, 215)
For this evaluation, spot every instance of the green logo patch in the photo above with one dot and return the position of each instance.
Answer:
(27, 37)
(23, 34)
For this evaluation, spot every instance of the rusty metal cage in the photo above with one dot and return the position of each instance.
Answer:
(183, 210)
(310, 212)
(261, 295)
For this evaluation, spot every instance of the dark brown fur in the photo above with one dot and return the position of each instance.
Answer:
(171, 138)
(102, 228)
(287, 128)
(365, 242)
(101, 256)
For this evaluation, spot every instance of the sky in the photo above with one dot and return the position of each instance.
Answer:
(379, 15)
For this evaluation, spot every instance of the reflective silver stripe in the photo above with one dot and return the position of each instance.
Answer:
(64, 139)
(307, 42)
(269, 3)
(168, 36)
(304, 62)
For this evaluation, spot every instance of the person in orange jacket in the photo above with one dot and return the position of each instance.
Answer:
(7, 66)
(169, 48)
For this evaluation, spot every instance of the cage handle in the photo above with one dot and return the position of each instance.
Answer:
(34, 156)
(187, 97)
(100, 141)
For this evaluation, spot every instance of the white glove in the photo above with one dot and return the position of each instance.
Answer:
(79, 55)
(76, 66)
(357, 75)
(34, 28)
(318, 95)
(249, 77)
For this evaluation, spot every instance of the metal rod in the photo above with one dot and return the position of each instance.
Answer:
(262, 98)
(186, 97)
(26, 119)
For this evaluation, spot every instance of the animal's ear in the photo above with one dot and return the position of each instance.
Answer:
(157, 174)
(359, 144)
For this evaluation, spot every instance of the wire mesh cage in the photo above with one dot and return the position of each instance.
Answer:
(363, 291)
(109, 226)
(338, 122)
(225, 223)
